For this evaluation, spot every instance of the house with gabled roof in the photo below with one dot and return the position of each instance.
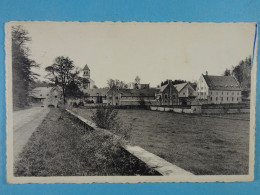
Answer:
(218, 89)
(186, 93)
(45, 96)
(167, 94)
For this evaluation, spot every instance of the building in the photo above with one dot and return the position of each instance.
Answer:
(167, 94)
(88, 83)
(136, 97)
(96, 95)
(134, 85)
(218, 89)
(45, 96)
(186, 93)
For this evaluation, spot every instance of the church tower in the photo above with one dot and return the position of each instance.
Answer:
(86, 72)
(86, 77)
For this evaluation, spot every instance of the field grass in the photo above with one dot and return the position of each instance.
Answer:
(61, 147)
(245, 116)
(201, 145)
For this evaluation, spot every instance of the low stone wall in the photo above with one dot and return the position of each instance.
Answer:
(198, 110)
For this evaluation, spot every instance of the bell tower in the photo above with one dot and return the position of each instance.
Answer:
(86, 77)
(86, 72)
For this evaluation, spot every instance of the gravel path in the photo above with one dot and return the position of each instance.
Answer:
(25, 122)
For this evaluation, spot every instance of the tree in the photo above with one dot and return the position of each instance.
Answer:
(242, 72)
(63, 73)
(116, 83)
(22, 65)
(227, 72)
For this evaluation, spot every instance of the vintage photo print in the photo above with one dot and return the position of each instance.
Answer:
(130, 102)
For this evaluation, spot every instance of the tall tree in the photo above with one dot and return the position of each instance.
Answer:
(227, 72)
(63, 72)
(22, 65)
(242, 72)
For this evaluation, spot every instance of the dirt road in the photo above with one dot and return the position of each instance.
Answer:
(25, 122)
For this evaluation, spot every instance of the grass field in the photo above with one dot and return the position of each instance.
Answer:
(201, 145)
(61, 147)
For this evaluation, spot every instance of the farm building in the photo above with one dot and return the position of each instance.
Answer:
(218, 89)
(131, 96)
(96, 95)
(186, 93)
(45, 96)
(167, 94)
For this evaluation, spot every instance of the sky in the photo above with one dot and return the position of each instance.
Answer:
(153, 51)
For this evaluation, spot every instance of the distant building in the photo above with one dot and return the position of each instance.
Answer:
(167, 94)
(96, 95)
(131, 96)
(218, 89)
(45, 96)
(133, 85)
(88, 83)
(186, 93)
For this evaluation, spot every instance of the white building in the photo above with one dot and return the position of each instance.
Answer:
(218, 89)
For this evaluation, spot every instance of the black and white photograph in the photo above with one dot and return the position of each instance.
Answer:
(130, 102)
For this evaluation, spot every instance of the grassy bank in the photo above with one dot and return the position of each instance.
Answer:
(61, 147)
(201, 145)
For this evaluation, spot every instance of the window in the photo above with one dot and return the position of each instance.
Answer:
(217, 93)
(211, 92)
(222, 92)
(227, 98)
(216, 98)
(47, 94)
(232, 99)
(221, 98)
(211, 98)
(232, 93)
(55, 96)
(237, 93)
(237, 99)
(165, 96)
(110, 97)
(40, 94)
(201, 87)
(227, 93)
(183, 93)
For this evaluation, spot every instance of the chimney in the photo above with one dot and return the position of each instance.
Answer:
(206, 72)
(169, 81)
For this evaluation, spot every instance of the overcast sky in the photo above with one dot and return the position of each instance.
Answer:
(153, 51)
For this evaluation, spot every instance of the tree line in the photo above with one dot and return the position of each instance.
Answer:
(242, 73)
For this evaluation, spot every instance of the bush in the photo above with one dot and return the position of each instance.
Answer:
(106, 117)
(75, 105)
(81, 104)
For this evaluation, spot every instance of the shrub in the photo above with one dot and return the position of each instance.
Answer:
(75, 105)
(81, 104)
(105, 117)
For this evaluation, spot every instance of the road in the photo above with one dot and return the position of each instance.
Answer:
(25, 122)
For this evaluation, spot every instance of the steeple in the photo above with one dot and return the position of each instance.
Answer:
(86, 72)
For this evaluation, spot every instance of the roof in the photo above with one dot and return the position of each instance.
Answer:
(137, 92)
(221, 82)
(96, 91)
(86, 67)
(179, 87)
(40, 92)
